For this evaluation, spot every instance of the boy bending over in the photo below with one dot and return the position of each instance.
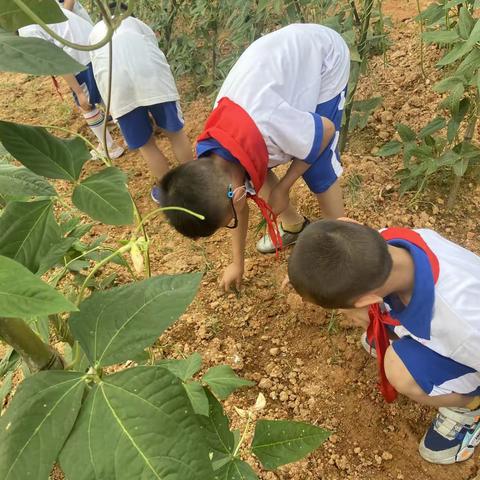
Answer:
(142, 88)
(281, 103)
(418, 295)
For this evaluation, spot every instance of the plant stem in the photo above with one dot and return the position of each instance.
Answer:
(97, 267)
(164, 209)
(422, 59)
(299, 10)
(244, 434)
(35, 353)
(356, 70)
(141, 225)
(109, 102)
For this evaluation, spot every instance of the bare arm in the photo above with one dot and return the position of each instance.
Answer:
(234, 272)
(279, 196)
(69, 4)
(77, 89)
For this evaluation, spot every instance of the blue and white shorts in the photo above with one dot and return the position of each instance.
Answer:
(137, 128)
(435, 374)
(326, 169)
(86, 80)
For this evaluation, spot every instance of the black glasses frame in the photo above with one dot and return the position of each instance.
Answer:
(230, 194)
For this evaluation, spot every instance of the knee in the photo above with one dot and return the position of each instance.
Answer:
(398, 375)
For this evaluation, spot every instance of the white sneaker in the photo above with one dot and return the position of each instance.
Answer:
(265, 244)
(115, 151)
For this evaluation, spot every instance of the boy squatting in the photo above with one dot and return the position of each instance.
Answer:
(282, 102)
(417, 294)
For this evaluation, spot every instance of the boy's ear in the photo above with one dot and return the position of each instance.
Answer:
(367, 300)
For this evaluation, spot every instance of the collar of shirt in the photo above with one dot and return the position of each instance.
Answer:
(210, 145)
(417, 316)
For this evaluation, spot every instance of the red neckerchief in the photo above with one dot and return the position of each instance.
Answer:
(232, 127)
(377, 332)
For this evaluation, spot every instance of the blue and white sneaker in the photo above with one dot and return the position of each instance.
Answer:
(155, 194)
(452, 436)
(369, 348)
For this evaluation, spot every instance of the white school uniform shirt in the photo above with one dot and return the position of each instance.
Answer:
(141, 75)
(455, 324)
(75, 29)
(281, 78)
(80, 10)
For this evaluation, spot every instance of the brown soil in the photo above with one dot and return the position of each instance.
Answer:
(307, 363)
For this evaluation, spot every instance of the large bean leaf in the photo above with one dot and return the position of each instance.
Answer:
(28, 230)
(12, 17)
(137, 424)
(34, 56)
(223, 381)
(44, 153)
(22, 294)
(236, 469)
(219, 439)
(104, 196)
(19, 181)
(118, 324)
(278, 442)
(37, 423)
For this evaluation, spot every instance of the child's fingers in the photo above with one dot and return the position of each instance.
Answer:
(285, 283)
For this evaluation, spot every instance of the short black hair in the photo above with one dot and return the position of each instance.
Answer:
(200, 186)
(114, 6)
(335, 262)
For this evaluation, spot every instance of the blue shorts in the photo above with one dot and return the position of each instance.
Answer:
(137, 127)
(87, 81)
(435, 374)
(326, 169)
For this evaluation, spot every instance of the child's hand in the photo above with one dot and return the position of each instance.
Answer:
(357, 316)
(232, 276)
(83, 101)
(279, 199)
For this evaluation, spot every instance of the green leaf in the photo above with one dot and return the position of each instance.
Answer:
(44, 153)
(9, 362)
(452, 102)
(104, 197)
(367, 105)
(465, 23)
(442, 36)
(236, 469)
(28, 230)
(19, 181)
(22, 294)
(184, 369)
(278, 442)
(117, 324)
(432, 14)
(54, 256)
(462, 49)
(448, 84)
(434, 126)
(406, 133)
(223, 381)
(391, 148)
(37, 423)
(457, 118)
(135, 424)
(219, 439)
(460, 167)
(470, 63)
(6, 387)
(12, 17)
(198, 398)
(34, 56)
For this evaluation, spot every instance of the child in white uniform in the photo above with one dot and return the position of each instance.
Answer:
(83, 86)
(142, 87)
(282, 102)
(418, 296)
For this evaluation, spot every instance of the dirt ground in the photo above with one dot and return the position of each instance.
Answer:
(308, 364)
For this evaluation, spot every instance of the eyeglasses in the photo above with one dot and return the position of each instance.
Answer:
(230, 194)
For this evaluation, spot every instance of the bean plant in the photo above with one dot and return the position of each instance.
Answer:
(99, 407)
(447, 142)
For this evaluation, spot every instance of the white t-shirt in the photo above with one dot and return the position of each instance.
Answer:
(281, 78)
(455, 326)
(141, 75)
(75, 29)
(80, 10)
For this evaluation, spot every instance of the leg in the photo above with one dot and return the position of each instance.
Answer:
(182, 148)
(156, 160)
(331, 201)
(431, 379)
(288, 217)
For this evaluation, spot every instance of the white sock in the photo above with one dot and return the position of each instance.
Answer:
(95, 120)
